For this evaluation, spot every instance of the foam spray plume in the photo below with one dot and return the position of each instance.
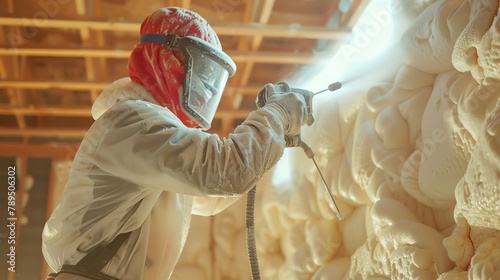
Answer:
(375, 70)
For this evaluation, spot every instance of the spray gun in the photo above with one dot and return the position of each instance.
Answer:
(295, 141)
(307, 150)
(291, 141)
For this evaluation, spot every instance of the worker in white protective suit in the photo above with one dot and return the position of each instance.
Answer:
(146, 165)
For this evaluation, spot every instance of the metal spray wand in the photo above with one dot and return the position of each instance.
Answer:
(310, 154)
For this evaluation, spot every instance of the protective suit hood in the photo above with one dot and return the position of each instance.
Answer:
(120, 90)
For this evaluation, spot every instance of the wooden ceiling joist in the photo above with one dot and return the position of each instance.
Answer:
(10, 6)
(16, 100)
(43, 132)
(66, 52)
(243, 45)
(237, 56)
(53, 85)
(93, 86)
(46, 111)
(81, 8)
(186, 4)
(85, 112)
(350, 18)
(222, 29)
(38, 150)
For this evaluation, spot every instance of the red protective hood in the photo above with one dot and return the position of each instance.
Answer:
(160, 69)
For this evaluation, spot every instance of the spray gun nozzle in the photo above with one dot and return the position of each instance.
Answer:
(332, 87)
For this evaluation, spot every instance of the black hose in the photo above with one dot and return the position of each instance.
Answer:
(250, 231)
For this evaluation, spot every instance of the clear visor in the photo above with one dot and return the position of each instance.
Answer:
(206, 84)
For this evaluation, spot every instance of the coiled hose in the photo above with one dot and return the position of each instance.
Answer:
(250, 231)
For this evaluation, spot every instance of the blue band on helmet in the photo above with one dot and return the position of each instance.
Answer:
(157, 38)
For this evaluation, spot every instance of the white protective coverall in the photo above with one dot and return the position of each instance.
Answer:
(140, 169)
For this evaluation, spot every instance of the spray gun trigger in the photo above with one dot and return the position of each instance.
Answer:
(292, 141)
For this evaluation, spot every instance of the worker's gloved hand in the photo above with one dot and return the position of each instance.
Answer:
(290, 106)
(269, 89)
(308, 95)
(283, 87)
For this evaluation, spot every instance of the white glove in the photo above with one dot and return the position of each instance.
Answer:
(290, 106)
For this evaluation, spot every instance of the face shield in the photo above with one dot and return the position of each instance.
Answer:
(207, 70)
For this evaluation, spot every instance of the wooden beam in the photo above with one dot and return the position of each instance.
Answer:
(263, 18)
(14, 94)
(227, 127)
(85, 112)
(185, 4)
(15, 102)
(243, 46)
(89, 68)
(81, 8)
(66, 52)
(280, 31)
(15, 59)
(349, 19)
(96, 8)
(254, 46)
(332, 7)
(10, 6)
(267, 8)
(38, 150)
(93, 86)
(22, 67)
(275, 57)
(255, 57)
(39, 132)
(73, 24)
(237, 99)
(53, 85)
(100, 40)
(85, 35)
(3, 72)
(247, 71)
(221, 28)
(45, 111)
(93, 95)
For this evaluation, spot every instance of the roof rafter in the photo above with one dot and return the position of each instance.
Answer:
(90, 86)
(43, 132)
(85, 112)
(256, 57)
(223, 29)
(38, 150)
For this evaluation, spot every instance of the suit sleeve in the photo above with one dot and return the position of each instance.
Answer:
(146, 144)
